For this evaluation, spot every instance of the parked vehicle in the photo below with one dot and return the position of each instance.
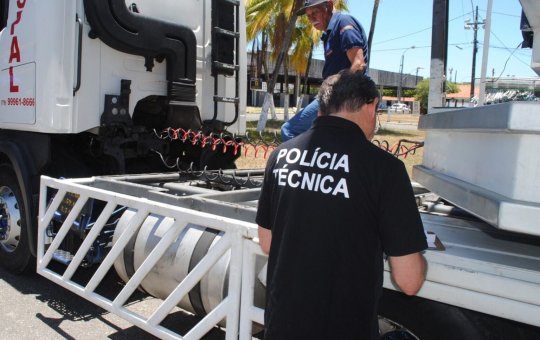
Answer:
(399, 108)
(89, 128)
(92, 87)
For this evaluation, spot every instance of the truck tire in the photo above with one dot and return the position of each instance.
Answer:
(15, 252)
(429, 319)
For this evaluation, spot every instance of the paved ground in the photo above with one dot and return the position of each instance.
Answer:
(32, 307)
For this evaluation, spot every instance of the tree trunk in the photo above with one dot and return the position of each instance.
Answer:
(265, 56)
(297, 85)
(300, 101)
(372, 27)
(286, 92)
(284, 49)
(253, 69)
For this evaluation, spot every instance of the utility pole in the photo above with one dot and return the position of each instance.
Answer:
(474, 26)
(487, 32)
(400, 87)
(439, 49)
(416, 76)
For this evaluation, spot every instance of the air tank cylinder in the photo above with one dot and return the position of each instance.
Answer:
(181, 257)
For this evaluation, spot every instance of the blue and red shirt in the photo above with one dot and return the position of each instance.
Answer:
(343, 33)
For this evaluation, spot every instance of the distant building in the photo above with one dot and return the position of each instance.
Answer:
(462, 97)
(256, 76)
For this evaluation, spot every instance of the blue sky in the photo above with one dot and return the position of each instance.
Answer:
(405, 23)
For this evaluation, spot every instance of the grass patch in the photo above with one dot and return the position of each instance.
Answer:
(270, 124)
(392, 138)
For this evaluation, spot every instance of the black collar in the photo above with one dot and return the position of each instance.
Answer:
(338, 122)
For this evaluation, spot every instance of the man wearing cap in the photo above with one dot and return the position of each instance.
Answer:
(345, 46)
(331, 203)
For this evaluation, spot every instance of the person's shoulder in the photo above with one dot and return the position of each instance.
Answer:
(345, 17)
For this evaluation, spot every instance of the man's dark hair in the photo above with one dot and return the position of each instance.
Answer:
(349, 92)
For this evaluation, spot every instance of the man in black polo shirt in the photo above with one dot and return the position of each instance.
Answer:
(330, 205)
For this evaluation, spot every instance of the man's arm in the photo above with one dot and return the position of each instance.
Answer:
(356, 57)
(265, 239)
(408, 272)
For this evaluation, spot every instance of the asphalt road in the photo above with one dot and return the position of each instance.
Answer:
(32, 307)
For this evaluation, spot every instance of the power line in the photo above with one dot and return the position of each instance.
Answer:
(506, 14)
(506, 62)
(413, 33)
(501, 13)
(402, 36)
(509, 50)
(512, 53)
(399, 48)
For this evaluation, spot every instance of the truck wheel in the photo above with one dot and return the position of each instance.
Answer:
(14, 246)
(428, 319)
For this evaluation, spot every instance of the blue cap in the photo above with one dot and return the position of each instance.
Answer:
(310, 3)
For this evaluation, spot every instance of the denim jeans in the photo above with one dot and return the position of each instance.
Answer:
(300, 122)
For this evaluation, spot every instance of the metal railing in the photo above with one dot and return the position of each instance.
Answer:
(452, 277)
(234, 313)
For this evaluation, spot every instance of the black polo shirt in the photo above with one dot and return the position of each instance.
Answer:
(343, 33)
(334, 203)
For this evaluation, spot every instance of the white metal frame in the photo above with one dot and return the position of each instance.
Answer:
(249, 313)
(235, 232)
(504, 282)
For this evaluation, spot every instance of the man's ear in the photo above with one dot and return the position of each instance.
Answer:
(375, 104)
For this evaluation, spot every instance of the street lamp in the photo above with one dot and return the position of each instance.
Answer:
(416, 77)
(401, 73)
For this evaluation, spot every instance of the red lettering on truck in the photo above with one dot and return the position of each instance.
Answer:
(12, 86)
(16, 22)
(15, 51)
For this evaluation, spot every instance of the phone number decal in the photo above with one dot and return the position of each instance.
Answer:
(18, 102)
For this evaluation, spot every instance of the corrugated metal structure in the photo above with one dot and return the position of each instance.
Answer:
(386, 79)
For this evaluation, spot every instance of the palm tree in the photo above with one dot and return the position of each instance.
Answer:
(372, 26)
(270, 16)
(273, 11)
(306, 40)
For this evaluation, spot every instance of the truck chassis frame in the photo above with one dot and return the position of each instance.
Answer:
(479, 269)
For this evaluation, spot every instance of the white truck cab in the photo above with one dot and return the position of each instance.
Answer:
(92, 87)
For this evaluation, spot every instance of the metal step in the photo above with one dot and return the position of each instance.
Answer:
(223, 31)
(224, 66)
(235, 100)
